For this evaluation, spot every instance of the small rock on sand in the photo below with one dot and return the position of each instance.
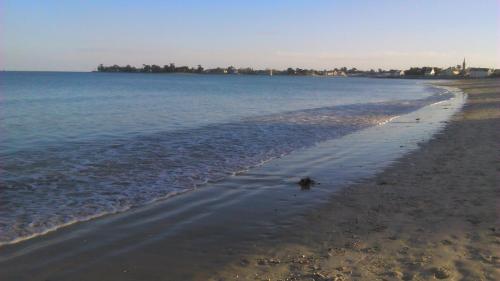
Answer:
(441, 273)
(306, 183)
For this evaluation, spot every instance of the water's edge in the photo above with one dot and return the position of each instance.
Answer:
(272, 163)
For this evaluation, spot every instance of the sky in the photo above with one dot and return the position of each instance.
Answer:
(78, 35)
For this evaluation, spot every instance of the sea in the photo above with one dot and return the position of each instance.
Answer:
(77, 146)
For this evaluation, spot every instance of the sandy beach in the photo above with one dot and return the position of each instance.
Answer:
(249, 140)
(431, 214)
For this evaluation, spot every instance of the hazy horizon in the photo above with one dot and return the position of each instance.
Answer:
(79, 35)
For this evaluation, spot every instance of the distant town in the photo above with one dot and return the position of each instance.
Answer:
(452, 72)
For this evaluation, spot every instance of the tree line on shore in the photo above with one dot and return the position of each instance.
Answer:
(343, 71)
(172, 68)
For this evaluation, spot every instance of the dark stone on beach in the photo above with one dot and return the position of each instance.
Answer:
(306, 183)
(441, 273)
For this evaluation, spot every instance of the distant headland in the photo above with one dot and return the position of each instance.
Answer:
(452, 72)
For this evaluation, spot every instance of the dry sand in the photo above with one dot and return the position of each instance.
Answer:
(432, 215)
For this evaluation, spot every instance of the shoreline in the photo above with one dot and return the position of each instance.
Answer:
(432, 215)
(379, 118)
(141, 254)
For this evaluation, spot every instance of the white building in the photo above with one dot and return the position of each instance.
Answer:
(430, 72)
(476, 72)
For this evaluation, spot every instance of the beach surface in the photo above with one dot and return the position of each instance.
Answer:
(432, 214)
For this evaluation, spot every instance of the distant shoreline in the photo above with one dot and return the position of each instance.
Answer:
(359, 75)
(320, 76)
(427, 72)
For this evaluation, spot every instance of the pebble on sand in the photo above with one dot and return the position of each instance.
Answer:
(441, 273)
(306, 183)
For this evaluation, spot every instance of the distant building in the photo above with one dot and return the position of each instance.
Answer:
(476, 72)
(430, 72)
(450, 72)
(335, 73)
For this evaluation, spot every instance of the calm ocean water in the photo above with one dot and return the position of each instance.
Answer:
(74, 146)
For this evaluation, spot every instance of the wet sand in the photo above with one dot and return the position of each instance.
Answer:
(432, 213)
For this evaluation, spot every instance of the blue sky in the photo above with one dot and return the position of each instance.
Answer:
(78, 35)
